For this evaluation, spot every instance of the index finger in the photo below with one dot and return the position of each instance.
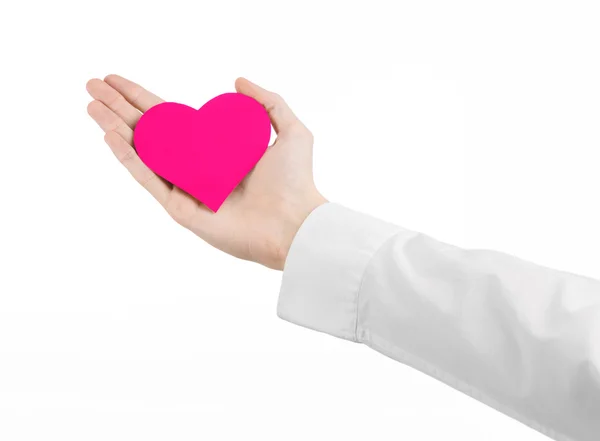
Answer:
(139, 97)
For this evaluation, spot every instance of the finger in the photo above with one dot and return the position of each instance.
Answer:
(112, 99)
(141, 173)
(109, 121)
(139, 97)
(281, 115)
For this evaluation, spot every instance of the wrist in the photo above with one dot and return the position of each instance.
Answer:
(295, 217)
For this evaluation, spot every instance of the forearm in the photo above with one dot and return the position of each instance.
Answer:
(521, 338)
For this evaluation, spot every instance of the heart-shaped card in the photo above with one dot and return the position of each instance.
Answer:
(205, 152)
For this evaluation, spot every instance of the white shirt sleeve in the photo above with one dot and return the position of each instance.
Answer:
(519, 337)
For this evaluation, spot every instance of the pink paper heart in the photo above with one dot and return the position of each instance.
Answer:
(205, 152)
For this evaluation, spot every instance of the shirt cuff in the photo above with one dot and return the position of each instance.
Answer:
(325, 267)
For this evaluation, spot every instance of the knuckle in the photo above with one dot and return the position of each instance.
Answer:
(117, 125)
(117, 101)
(178, 216)
(127, 157)
(275, 102)
(299, 131)
(137, 95)
(146, 179)
(178, 212)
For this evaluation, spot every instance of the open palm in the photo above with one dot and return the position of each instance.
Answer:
(259, 220)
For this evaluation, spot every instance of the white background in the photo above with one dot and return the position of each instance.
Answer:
(475, 122)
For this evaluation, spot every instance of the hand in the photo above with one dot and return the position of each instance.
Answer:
(259, 220)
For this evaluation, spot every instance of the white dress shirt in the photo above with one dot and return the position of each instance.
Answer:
(519, 337)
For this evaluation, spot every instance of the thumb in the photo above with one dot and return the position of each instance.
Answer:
(282, 117)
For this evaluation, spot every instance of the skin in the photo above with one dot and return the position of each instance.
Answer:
(259, 220)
